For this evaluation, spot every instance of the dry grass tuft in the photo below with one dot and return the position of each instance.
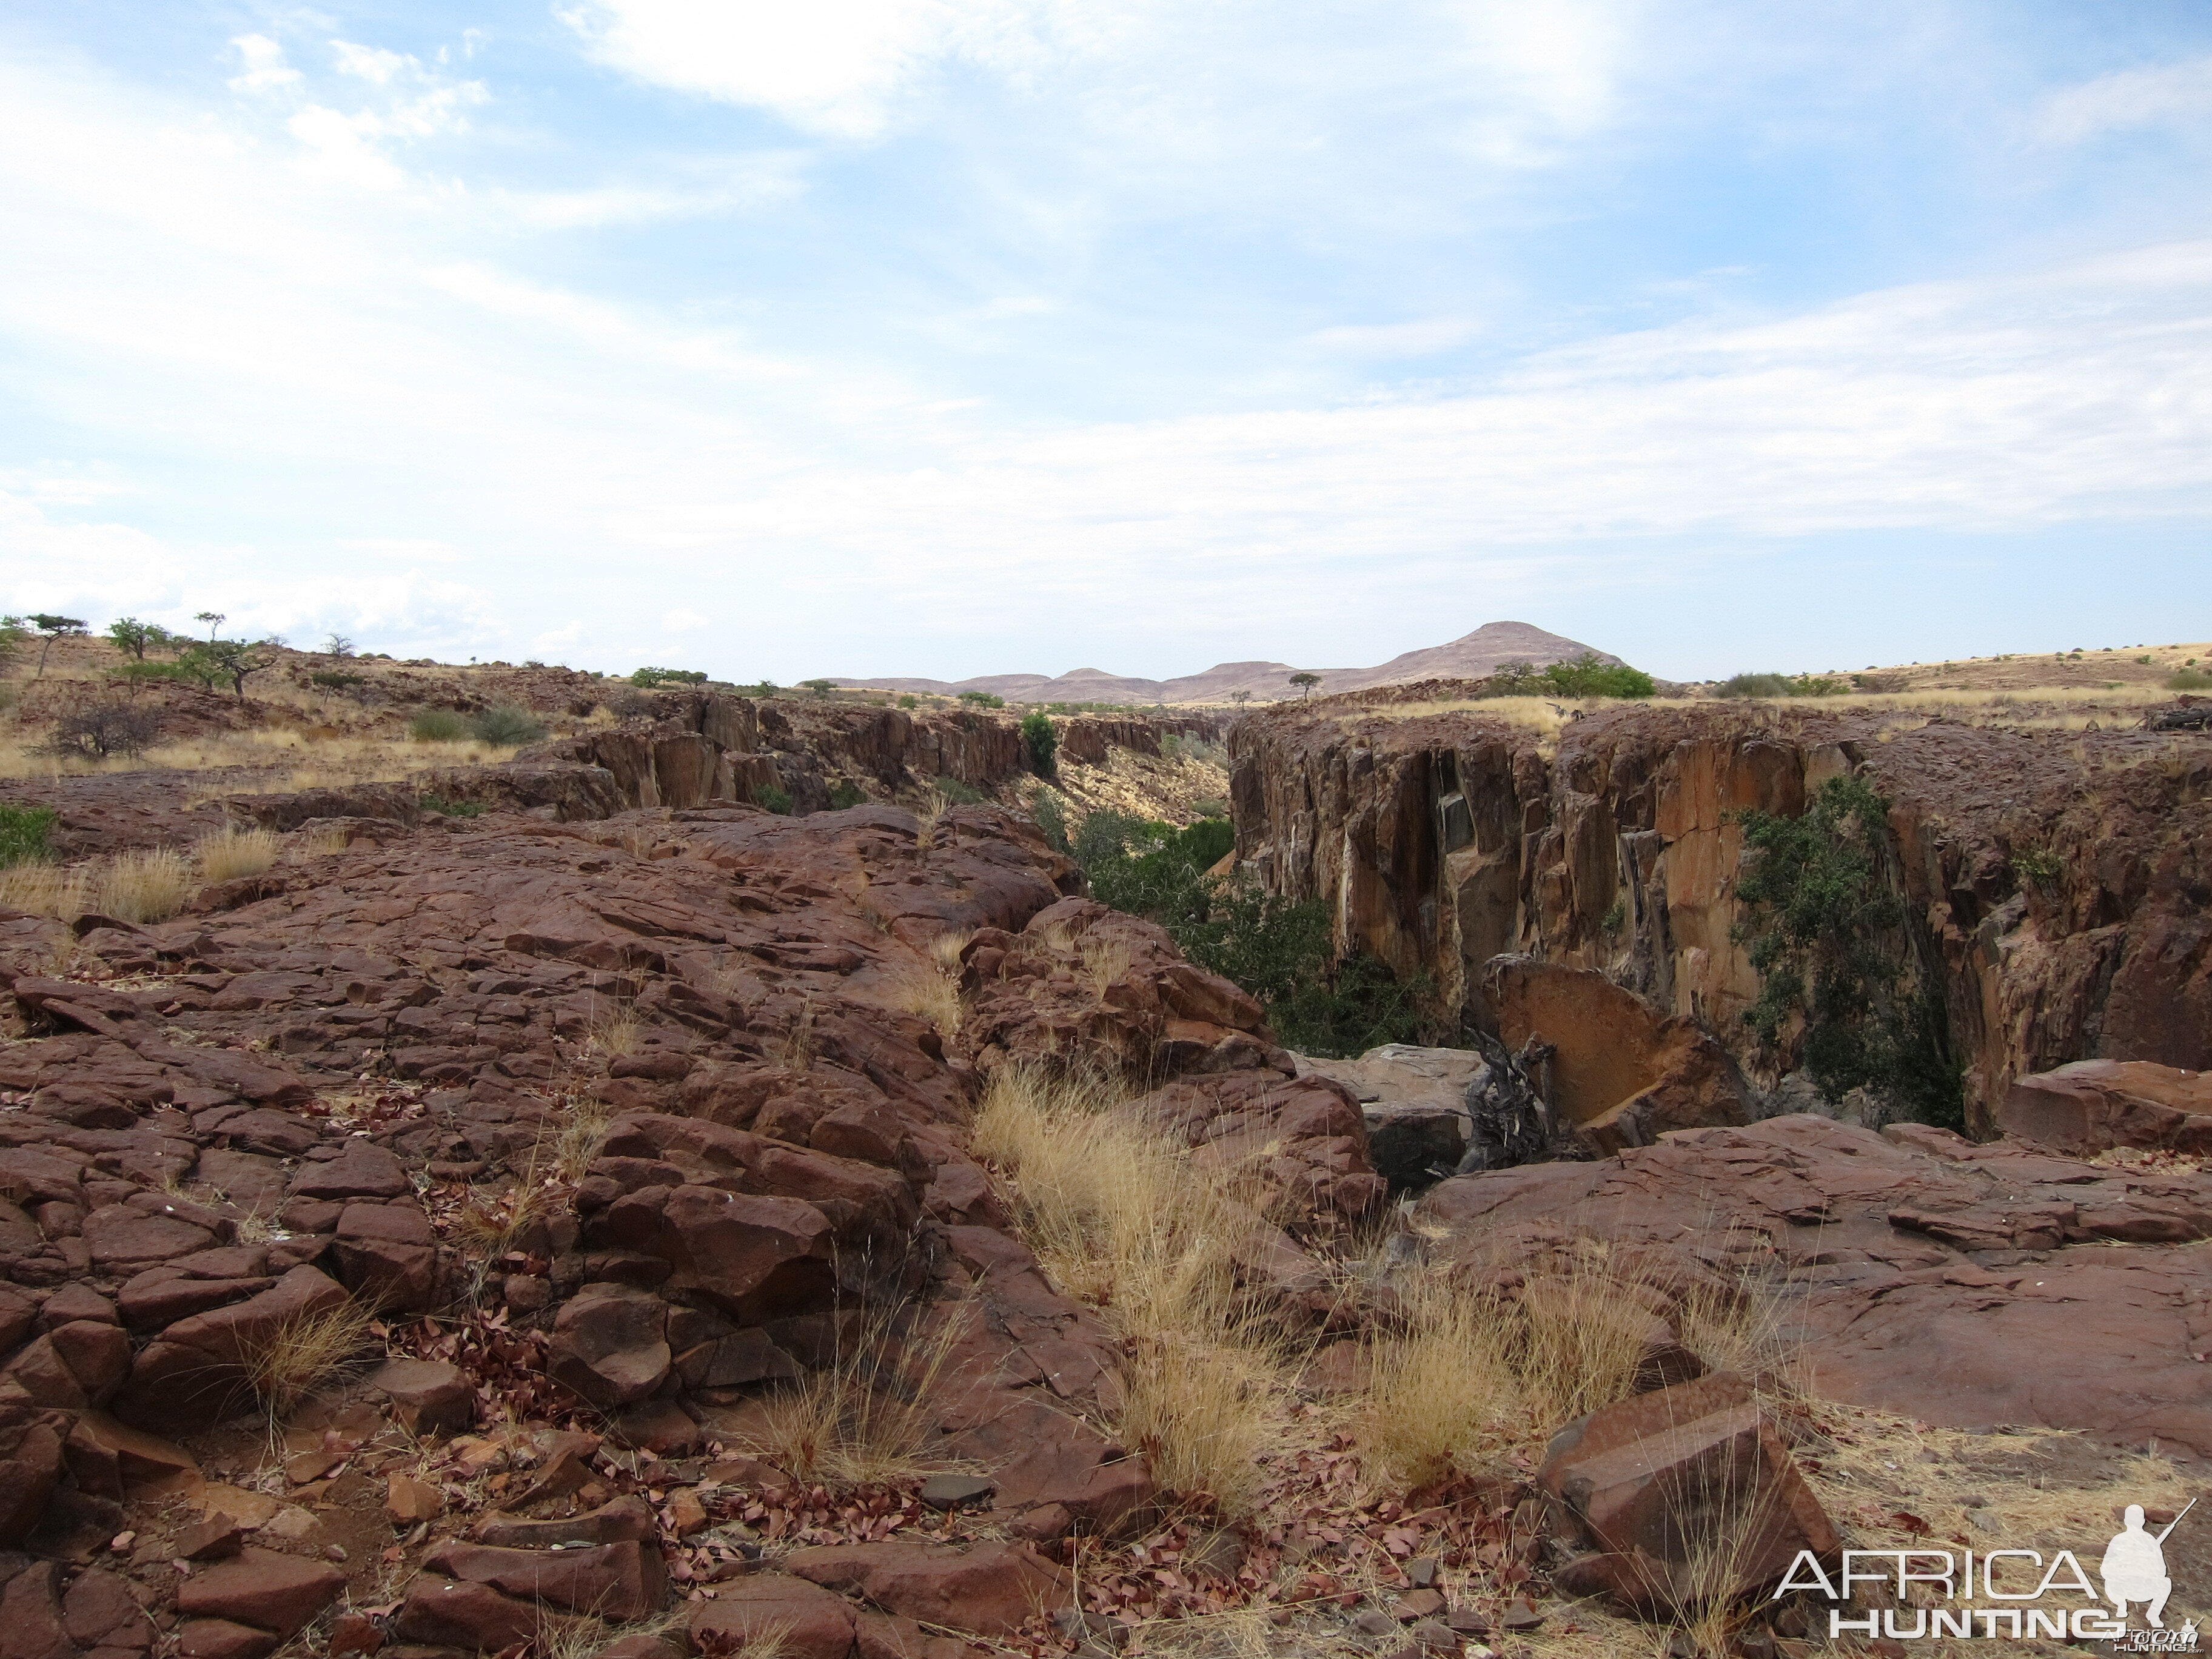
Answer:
(933, 803)
(313, 843)
(576, 1145)
(47, 889)
(227, 853)
(944, 950)
(863, 1417)
(586, 1637)
(1123, 1217)
(1473, 1375)
(614, 1029)
(151, 885)
(306, 1351)
(1106, 962)
(925, 990)
(798, 1053)
(1443, 1395)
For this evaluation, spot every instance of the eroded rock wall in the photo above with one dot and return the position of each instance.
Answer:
(1441, 841)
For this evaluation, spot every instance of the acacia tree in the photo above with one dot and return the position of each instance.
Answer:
(1240, 698)
(214, 619)
(1305, 681)
(52, 629)
(131, 635)
(234, 660)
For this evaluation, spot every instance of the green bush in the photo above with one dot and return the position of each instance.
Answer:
(1049, 812)
(909, 700)
(1780, 685)
(957, 794)
(506, 726)
(2188, 679)
(336, 679)
(438, 726)
(845, 793)
(1828, 937)
(25, 832)
(1042, 744)
(1277, 948)
(1753, 685)
(2038, 864)
(453, 809)
(649, 678)
(773, 796)
(1585, 676)
(983, 699)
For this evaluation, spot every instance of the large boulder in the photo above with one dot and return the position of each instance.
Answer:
(611, 1346)
(1618, 1071)
(2094, 1105)
(1687, 1493)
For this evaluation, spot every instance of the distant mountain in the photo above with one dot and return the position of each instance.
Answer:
(1489, 648)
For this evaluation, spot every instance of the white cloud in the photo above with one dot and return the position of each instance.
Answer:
(264, 68)
(2177, 93)
(683, 622)
(830, 66)
(104, 570)
(370, 63)
(295, 355)
(1421, 338)
(411, 550)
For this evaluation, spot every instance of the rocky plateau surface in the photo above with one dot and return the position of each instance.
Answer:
(640, 1111)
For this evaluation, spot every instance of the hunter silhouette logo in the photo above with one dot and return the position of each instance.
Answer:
(2005, 1593)
(2134, 1567)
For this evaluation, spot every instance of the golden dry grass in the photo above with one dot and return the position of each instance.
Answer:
(944, 950)
(864, 1418)
(927, 813)
(227, 853)
(613, 1029)
(1471, 1376)
(928, 992)
(306, 1351)
(798, 1050)
(1124, 1219)
(1106, 962)
(146, 886)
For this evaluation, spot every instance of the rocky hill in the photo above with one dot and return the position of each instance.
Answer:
(1491, 646)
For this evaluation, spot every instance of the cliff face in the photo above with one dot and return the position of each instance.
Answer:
(1444, 840)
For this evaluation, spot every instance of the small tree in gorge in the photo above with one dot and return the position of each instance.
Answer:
(1042, 744)
(1305, 681)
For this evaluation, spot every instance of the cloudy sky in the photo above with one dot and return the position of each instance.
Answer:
(949, 337)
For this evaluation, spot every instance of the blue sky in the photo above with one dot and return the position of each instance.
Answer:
(952, 336)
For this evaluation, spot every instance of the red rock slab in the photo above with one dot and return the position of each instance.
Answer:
(197, 1371)
(807, 1621)
(1664, 1479)
(617, 1580)
(990, 1588)
(447, 1613)
(2093, 1105)
(261, 1588)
